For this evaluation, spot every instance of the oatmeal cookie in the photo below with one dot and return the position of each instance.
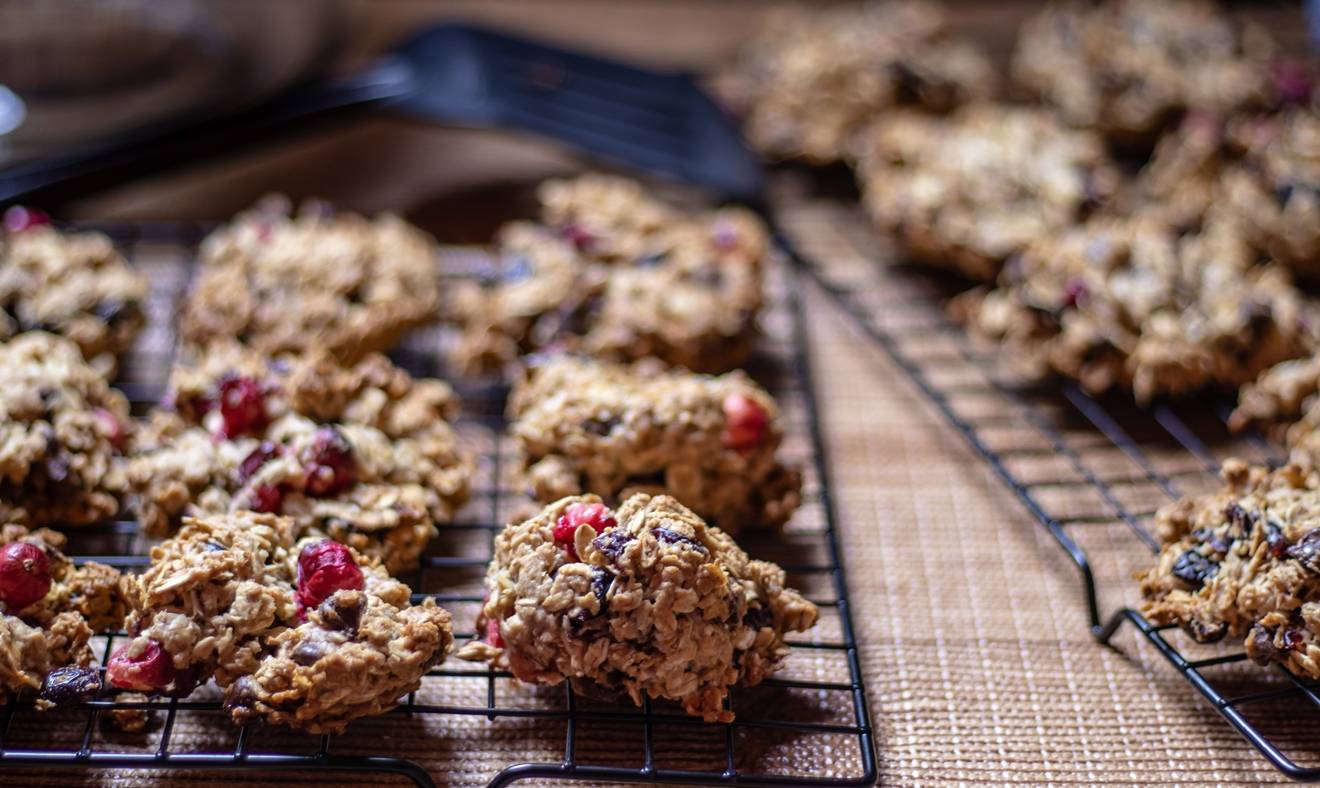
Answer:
(584, 426)
(363, 454)
(309, 634)
(1134, 303)
(341, 282)
(1128, 68)
(61, 429)
(649, 602)
(69, 283)
(1285, 402)
(1245, 562)
(810, 78)
(970, 191)
(49, 609)
(616, 273)
(1276, 191)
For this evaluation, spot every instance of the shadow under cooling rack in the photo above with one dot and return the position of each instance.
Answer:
(807, 725)
(1092, 471)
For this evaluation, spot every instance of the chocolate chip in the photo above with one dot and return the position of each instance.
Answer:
(672, 537)
(240, 697)
(1307, 551)
(612, 542)
(1260, 645)
(343, 610)
(70, 685)
(1194, 568)
(758, 618)
(306, 654)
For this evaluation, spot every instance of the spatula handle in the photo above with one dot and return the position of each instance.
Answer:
(47, 183)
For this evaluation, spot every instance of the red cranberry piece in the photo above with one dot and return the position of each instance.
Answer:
(18, 219)
(242, 406)
(112, 427)
(151, 670)
(1292, 81)
(258, 457)
(493, 636)
(266, 498)
(745, 422)
(24, 575)
(325, 567)
(1292, 639)
(1074, 290)
(329, 463)
(579, 236)
(578, 514)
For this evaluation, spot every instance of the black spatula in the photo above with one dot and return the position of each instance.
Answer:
(460, 76)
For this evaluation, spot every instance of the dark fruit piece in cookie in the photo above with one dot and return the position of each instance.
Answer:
(242, 405)
(70, 685)
(323, 568)
(24, 575)
(579, 514)
(746, 422)
(266, 498)
(258, 457)
(329, 462)
(18, 219)
(1194, 568)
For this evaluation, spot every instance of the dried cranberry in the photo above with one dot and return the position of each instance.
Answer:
(18, 219)
(242, 406)
(579, 236)
(1277, 542)
(493, 636)
(112, 427)
(1292, 639)
(1074, 290)
(151, 670)
(24, 575)
(745, 422)
(1194, 568)
(325, 567)
(267, 498)
(329, 463)
(576, 515)
(258, 457)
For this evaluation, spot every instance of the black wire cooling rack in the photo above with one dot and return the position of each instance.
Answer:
(1091, 470)
(808, 725)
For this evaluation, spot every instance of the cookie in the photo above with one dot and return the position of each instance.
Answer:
(1244, 562)
(970, 191)
(811, 78)
(308, 634)
(318, 280)
(363, 454)
(618, 274)
(49, 610)
(1136, 304)
(646, 602)
(69, 283)
(1129, 68)
(1284, 402)
(583, 426)
(61, 431)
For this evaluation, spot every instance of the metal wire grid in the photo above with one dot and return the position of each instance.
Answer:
(807, 725)
(1091, 470)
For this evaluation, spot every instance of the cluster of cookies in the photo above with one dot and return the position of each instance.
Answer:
(292, 470)
(1137, 203)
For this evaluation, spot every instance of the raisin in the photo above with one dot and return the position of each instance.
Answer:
(758, 618)
(1260, 646)
(70, 685)
(672, 537)
(1194, 568)
(1206, 631)
(1238, 518)
(1274, 538)
(600, 427)
(600, 585)
(612, 542)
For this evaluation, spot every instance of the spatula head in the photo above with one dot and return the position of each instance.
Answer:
(658, 122)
